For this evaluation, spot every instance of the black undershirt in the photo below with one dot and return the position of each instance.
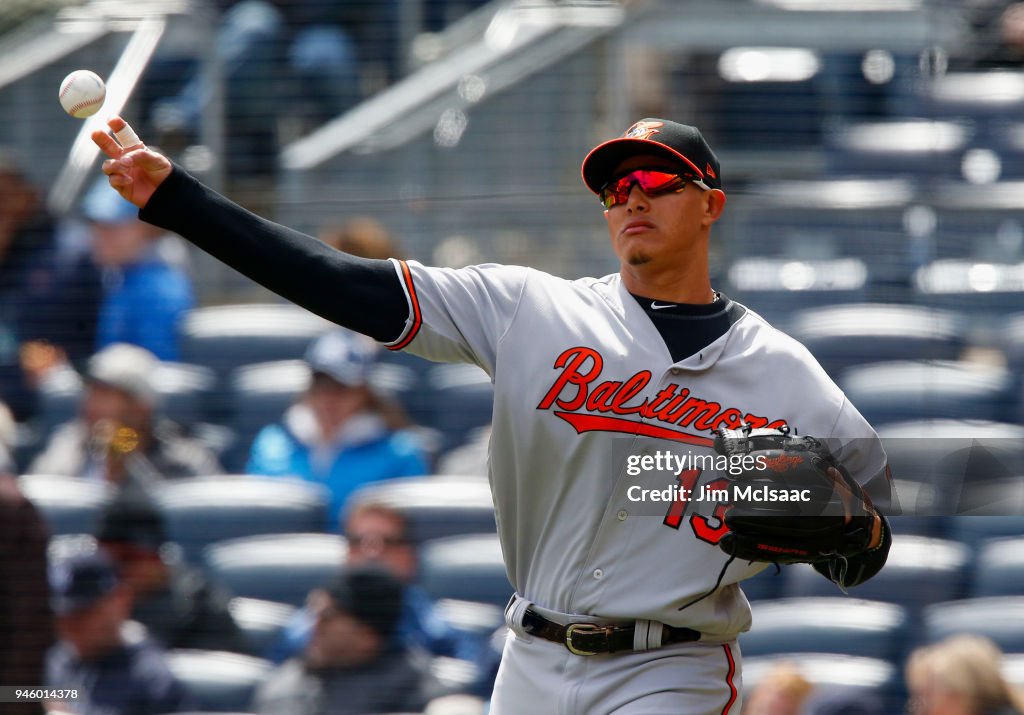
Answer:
(688, 328)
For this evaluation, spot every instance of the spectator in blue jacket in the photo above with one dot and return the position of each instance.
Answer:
(146, 288)
(341, 433)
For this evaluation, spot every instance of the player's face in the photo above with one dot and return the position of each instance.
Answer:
(661, 229)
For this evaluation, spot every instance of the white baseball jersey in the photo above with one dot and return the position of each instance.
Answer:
(582, 381)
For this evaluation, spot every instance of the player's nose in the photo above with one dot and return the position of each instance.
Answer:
(637, 200)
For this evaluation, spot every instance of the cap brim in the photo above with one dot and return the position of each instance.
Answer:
(602, 159)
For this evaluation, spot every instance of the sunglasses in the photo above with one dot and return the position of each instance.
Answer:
(653, 182)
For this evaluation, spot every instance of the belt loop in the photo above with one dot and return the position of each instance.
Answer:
(647, 634)
(514, 612)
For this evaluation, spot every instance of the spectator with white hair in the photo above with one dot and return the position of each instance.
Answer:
(119, 436)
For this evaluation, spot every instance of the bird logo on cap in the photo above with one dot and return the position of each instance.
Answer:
(643, 130)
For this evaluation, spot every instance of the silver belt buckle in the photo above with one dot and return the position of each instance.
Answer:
(588, 628)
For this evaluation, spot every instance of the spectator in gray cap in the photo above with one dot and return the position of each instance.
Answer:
(352, 664)
(115, 667)
(118, 436)
(341, 433)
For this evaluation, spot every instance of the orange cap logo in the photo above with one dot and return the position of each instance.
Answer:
(642, 130)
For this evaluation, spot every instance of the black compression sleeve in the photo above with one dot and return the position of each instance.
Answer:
(359, 293)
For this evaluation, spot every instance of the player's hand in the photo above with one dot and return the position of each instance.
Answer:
(134, 171)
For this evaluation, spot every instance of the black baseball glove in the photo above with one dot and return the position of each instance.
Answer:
(791, 500)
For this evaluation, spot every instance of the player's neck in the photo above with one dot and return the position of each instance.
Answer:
(691, 285)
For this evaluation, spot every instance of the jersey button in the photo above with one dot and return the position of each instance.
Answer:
(598, 574)
(622, 515)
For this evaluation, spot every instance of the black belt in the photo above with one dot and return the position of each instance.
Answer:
(593, 638)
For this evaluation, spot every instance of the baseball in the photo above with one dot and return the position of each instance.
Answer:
(82, 93)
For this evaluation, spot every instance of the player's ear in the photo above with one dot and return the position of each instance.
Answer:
(714, 205)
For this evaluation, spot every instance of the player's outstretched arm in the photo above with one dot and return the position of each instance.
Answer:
(358, 293)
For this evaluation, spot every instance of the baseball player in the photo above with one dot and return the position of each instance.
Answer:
(624, 604)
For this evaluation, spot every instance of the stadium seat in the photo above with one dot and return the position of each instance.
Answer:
(974, 530)
(203, 510)
(58, 399)
(228, 336)
(908, 148)
(283, 568)
(999, 570)
(463, 398)
(217, 680)
(1013, 668)
(778, 287)
(985, 291)
(261, 622)
(224, 338)
(841, 336)
(826, 219)
(963, 466)
(436, 507)
(184, 392)
(465, 568)
(404, 376)
(480, 619)
(999, 618)
(845, 626)
(918, 572)
(831, 672)
(906, 390)
(69, 505)
(979, 96)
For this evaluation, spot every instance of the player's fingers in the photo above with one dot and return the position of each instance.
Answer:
(107, 144)
(146, 159)
(121, 182)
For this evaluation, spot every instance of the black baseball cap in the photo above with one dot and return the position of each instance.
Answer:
(678, 142)
(80, 580)
(132, 520)
(371, 595)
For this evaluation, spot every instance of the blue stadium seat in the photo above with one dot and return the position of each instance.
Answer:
(999, 618)
(979, 221)
(436, 507)
(69, 505)
(203, 510)
(228, 336)
(184, 392)
(219, 681)
(909, 148)
(863, 677)
(404, 376)
(900, 391)
(825, 219)
(954, 464)
(919, 571)
(845, 626)
(973, 530)
(981, 96)
(465, 568)
(282, 568)
(841, 336)
(261, 622)
(985, 291)
(778, 287)
(463, 398)
(999, 570)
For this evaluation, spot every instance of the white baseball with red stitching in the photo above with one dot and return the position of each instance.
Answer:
(82, 93)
